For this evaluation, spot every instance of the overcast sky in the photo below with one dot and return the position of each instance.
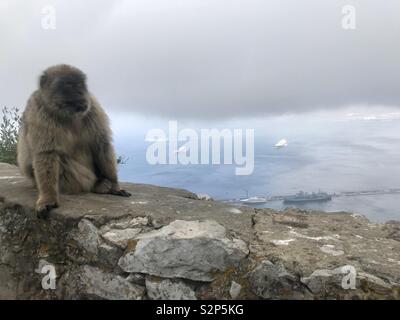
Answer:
(208, 58)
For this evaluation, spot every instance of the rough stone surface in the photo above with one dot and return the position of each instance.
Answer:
(165, 243)
(204, 196)
(95, 282)
(393, 230)
(121, 237)
(193, 250)
(235, 289)
(86, 237)
(269, 280)
(167, 289)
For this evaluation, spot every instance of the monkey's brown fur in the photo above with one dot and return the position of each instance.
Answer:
(65, 140)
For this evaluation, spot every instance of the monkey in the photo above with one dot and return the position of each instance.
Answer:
(65, 141)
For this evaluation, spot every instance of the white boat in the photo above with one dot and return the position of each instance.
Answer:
(281, 143)
(254, 200)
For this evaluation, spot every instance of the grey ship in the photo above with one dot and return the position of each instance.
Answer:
(303, 197)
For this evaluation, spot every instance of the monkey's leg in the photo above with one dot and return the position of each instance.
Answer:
(74, 177)
(24, 157)
(106, 165)
(46, 168)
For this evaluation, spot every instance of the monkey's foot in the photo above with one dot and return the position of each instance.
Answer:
(105, 186)
(43, 209)
(121, 192)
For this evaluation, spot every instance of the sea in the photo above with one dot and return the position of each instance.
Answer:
(354, 150)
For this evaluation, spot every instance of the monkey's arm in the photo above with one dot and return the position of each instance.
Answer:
(106, 168)
(46, 168)
(103, 153)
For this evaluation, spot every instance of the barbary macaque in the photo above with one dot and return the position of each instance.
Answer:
(65, 142)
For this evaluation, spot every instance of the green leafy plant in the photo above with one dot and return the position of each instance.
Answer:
(9, 128)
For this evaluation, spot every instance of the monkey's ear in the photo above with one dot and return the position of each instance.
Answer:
(43, 80)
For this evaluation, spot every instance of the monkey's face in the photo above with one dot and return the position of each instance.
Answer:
(66, 93)
(70, 93)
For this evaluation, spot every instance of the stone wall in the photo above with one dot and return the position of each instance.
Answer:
(171, 244)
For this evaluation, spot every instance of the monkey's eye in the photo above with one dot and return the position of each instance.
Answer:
(68, 85)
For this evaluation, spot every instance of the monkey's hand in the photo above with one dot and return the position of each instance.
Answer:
(43, 208)
(120, 192)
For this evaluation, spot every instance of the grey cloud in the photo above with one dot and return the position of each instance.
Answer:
(208, 58)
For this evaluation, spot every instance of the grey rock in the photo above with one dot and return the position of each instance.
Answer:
(8, 283)
(342, 281)
(87, 237)
(320, 280)
(125, 223)
(235, 289)
(375, 281)
(167, 289)
(269, 280)
(204, 196)
(95, 282)
(137, 278)
(185, 249)
(120, 237)
(109, 255)
(393, 230)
